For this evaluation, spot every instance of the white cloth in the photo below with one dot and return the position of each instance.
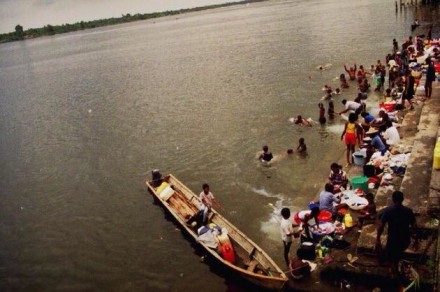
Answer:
(392, 136)
(209, 238)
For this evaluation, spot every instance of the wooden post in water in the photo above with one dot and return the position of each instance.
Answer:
(396, 6)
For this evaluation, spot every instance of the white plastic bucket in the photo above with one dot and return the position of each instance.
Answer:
(359, 157)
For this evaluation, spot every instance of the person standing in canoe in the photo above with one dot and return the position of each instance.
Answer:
(207, 199)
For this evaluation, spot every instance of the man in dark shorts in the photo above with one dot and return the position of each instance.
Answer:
(430, 77)
(399, 219)
(408, 93)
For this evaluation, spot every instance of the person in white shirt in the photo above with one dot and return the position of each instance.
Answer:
(207, 199)
(351, 106)
(286, 232)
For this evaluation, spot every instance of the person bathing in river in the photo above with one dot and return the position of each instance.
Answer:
(322, 118)
(265, 156)
(344, 83)
(300, 121)
(351, 72)
(361, 74)
(328, 94)
(326, 88)
(302, 147)
(331, 110)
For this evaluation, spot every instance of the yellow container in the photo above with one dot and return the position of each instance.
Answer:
(348, 220)
(436, 163)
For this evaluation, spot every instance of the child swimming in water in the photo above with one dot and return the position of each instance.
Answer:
(300, 121)
(265, 156)
(344, 83)
(302, 147)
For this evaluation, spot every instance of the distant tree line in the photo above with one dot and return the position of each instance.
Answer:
(20, 34)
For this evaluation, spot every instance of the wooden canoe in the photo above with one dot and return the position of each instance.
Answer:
(251, 262)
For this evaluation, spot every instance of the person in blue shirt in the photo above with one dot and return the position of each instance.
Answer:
(368, 119)
(376, 140)
(327, 198)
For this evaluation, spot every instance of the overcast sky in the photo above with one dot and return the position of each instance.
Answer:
(38, 13)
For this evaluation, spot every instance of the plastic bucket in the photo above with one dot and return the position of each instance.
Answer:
(325, 216)
(359, 182)
(359, 158)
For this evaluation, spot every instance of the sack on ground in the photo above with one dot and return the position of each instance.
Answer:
(298, 268)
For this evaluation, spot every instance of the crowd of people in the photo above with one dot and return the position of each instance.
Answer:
(378, 134)
(398, 94)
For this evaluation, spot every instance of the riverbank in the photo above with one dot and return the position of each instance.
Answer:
(20, 34)
(420, 185)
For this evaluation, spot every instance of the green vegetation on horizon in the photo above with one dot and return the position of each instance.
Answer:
(20, 34)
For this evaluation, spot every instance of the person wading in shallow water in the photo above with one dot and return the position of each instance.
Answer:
(265, 156)
(351, 72)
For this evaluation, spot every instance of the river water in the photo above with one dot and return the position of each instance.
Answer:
(86, 116)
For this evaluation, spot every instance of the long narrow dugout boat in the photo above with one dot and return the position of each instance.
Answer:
(247, 260)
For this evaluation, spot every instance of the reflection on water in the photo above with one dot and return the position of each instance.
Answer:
(86, 116)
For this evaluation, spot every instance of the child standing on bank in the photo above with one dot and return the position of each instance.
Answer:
(286, 232)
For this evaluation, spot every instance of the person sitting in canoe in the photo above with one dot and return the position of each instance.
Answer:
(207, 199)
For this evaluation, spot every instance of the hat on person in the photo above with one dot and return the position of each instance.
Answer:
(372, 130)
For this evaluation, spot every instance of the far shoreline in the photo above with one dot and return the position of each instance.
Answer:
(19, 34)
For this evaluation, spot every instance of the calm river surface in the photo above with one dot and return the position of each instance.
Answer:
(86, 116)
